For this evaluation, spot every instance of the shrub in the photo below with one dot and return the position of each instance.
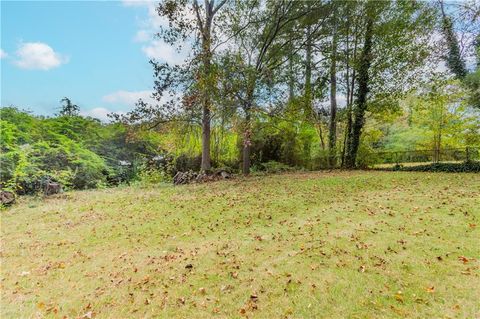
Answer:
(275, 167)
(153, 177)
(469, 166)
(366, 157)
(185, 163)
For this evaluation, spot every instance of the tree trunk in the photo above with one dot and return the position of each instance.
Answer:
(320, 135)
(308, 75)
(205, 27)
(247, 144)
(206, 162)
(291, 77)
(332, 134)
(206, 116)
(350, 93)
(363, 88)
(247, 134)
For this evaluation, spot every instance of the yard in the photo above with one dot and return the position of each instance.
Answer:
(362, 244)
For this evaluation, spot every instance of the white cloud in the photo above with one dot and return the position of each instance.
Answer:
(134, 3)
(142, 36)
(100, 113)
(38, 56)
(157, 49)
(128, 97)
(3, 54)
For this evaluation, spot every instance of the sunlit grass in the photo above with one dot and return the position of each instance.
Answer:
(305, 245)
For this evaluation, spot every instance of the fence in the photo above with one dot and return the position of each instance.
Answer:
(428, 156)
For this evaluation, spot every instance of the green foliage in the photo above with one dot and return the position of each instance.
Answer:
(63, 149)
(273, 167)
(465, 167)
(454, 59)
(68, 108)
(148, 176)
(472, 82)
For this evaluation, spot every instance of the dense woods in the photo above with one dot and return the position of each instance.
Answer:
(270, 85)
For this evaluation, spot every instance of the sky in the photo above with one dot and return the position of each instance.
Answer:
(94, 52)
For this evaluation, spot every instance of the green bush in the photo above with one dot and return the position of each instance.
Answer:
(272, 167)
(153, 177)
(470, 166)
(366, 156)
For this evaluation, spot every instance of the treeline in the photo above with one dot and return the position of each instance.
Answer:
(325, 70)
(82, 152)
(270, 85)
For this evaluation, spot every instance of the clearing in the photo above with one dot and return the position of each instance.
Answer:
(301, 245)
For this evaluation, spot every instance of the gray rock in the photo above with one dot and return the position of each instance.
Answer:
(7, 198)
(225, 175)
(52, 188)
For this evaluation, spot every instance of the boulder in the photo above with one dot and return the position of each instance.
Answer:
(7, 198)
(52, 188)
(225, 175)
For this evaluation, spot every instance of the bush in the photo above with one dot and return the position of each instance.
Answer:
(185, 163)
(272, 167)
(366, 157)
(25, 169)
(470, 166)
(153, 177)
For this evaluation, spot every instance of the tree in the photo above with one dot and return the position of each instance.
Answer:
(332, 133)
(68, 108)
(190, 87)
(262, 49)
(395, 48)
(205, 27)
(454, 59)
(363, 89)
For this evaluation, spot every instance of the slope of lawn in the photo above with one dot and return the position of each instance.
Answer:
(303, 245)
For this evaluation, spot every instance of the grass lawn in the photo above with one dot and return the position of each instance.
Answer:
(303, 245)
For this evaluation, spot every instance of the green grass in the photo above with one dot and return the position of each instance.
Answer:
(304, 245)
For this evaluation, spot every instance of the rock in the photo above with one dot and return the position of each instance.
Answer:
(52, 188)
(7, 198)
(225, 175)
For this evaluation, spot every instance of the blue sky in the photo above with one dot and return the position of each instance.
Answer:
(94, 52)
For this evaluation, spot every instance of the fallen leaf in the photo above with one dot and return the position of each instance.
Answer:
(399, 297)
(88, 315)
(463, 259)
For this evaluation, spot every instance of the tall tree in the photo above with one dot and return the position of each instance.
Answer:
(363, 88)
(332, 133)
(392, 59)
(204, 25)
(258, 32)
(454, 59)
